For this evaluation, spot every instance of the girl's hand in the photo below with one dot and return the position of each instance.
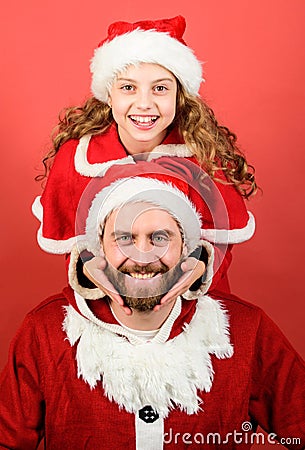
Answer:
(193, 269)
(94, 270)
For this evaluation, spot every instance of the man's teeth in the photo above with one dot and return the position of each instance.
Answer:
(144, 119)
(142, 276)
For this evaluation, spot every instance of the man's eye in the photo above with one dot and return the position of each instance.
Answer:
(160, 239)
(124, 239)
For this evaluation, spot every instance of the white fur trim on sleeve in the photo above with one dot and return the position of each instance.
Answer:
(37, 208)
(82, 165)
(180, 150)
(90, 294)
(207, 276)
(57, 247)
(235, 236)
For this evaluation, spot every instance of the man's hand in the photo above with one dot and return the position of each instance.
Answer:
(193, 269)
(94, 270)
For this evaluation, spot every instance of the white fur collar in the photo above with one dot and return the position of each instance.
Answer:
(161, 374)
(83, 166)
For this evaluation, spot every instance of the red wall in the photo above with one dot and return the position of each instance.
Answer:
(254, 70)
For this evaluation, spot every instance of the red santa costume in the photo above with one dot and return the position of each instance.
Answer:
(216, 369)
(79, 161)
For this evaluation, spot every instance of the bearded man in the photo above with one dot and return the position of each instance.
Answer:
(121, 372)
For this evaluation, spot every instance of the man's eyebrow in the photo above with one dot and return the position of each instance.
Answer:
(165, 231)
(117, 233)
(120, 233)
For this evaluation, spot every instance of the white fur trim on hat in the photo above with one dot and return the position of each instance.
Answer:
(143, 46)
(141, 189)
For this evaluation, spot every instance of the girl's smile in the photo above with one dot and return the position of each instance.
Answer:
(144, 122)
(143, 101)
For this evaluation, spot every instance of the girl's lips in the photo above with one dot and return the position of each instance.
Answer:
(144, 122)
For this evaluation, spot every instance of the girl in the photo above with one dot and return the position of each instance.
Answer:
(145, 104)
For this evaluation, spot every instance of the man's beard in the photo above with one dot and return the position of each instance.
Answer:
(143, 294)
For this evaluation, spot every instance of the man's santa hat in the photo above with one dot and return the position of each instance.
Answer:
(158, 42)
(162, 189)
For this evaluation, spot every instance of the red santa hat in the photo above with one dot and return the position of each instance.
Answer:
(149, 182)
(159, 42)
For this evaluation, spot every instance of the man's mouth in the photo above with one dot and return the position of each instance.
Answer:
(143, 121)
(143, 276)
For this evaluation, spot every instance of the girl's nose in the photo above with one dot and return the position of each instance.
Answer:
(144, 100)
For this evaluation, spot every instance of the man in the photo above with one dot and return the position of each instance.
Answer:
(87, 372)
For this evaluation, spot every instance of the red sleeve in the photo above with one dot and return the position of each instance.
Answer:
(58, 199)
(222, 261)
(225, 218)
(277, 400)
(21, 398)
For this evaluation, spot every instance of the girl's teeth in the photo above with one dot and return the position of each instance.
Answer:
(144, 119)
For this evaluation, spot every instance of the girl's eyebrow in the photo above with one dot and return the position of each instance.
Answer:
(160, 80)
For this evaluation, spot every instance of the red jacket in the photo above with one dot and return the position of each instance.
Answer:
(254, 377)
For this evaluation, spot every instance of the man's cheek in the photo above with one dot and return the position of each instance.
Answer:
(152, 255)
(115, 257)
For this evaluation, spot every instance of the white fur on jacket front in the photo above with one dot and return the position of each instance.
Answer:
(162, 374)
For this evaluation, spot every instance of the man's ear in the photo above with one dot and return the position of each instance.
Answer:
(101, 253)
(184, 251)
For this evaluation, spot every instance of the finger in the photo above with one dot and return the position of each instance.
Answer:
(92, 270)
(189, 264)
(184, 282)
(174, 292)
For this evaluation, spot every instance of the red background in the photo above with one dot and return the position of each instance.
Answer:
(254, 71)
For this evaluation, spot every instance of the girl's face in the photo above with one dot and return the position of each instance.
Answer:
(143, 101)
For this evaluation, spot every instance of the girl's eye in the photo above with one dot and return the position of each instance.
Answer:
(127, 87)
(160, 88)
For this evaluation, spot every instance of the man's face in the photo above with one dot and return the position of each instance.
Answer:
(143, 247)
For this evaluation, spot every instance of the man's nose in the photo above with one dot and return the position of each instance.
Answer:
(144, 252)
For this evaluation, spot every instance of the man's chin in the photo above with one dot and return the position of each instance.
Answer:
(142, 304)
(143, 294)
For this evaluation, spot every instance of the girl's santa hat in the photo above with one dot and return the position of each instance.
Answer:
(158, 42)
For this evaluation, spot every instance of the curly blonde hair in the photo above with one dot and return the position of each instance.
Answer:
(213, 145)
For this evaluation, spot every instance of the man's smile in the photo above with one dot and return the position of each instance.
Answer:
(143, 273)
(143, 276)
